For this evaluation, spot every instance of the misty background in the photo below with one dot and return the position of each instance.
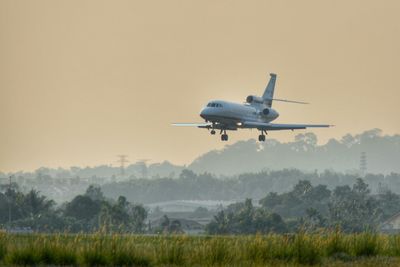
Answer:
(245, 169)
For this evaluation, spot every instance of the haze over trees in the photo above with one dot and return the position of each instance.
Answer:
(303, 153)
(267, 199)
(259, 167)
(309, 208)
(305, 207)
(383, 152)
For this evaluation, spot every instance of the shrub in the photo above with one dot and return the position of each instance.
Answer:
(365, 244)
(25, 257)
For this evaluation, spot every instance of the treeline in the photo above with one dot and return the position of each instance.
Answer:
(192, 186)
(309, 208)
(304, 207)
(88, 212)
(304, 152)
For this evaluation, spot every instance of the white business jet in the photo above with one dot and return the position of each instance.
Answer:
(256, 113)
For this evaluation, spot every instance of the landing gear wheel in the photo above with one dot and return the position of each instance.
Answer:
(224, 137)
(261, 138)
(212, 132)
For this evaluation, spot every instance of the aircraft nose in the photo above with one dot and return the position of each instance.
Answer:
(205, 112)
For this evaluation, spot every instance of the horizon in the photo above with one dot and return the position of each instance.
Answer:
(113, 163)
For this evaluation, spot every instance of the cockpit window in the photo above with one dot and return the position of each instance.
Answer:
(214, 105)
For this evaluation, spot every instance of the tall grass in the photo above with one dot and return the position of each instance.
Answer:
(135, 250)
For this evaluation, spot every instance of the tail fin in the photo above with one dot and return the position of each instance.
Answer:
(269, 90)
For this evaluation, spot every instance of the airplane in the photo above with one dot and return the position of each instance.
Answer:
(255, 113)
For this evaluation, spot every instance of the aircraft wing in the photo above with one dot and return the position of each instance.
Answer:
(199, 125)
(277, 126)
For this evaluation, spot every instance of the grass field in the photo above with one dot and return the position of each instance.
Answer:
(327, 249)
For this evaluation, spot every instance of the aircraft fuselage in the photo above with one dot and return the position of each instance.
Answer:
(231, 115)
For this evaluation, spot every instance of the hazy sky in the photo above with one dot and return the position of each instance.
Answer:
(84, 81)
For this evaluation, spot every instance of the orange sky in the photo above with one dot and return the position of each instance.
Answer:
(84, 81)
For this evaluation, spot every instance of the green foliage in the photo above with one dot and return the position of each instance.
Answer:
(218, 251)
(94, 257)
(125, 257)
(305, 250)
(366, 244)
(295, 203)
(170, 252)
(355, 210)
(25, 257)
(254, 250)
(336, 244)
(244, 218)
(89, 212)
(3, 246)
(83, 207)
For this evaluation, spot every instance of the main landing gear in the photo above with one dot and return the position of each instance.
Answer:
(261, 137)
(224, 136)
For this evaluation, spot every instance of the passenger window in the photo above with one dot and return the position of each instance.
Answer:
(212, 105)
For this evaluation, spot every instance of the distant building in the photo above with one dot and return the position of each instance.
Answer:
(391, 225)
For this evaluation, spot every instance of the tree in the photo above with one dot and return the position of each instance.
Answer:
(138, 217)
(82, 207)
(313, 220)
(95, 193)
(271, 200)
(219, 224)
(35, 204)
(302, 188)
(389, 203)
(354, 209)
(244, 218)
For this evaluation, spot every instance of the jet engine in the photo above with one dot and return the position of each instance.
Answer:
(269, 113)
(254, 99)
(266, 111)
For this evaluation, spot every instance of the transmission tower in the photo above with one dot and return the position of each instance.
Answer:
(363, 163)
(122, 160)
